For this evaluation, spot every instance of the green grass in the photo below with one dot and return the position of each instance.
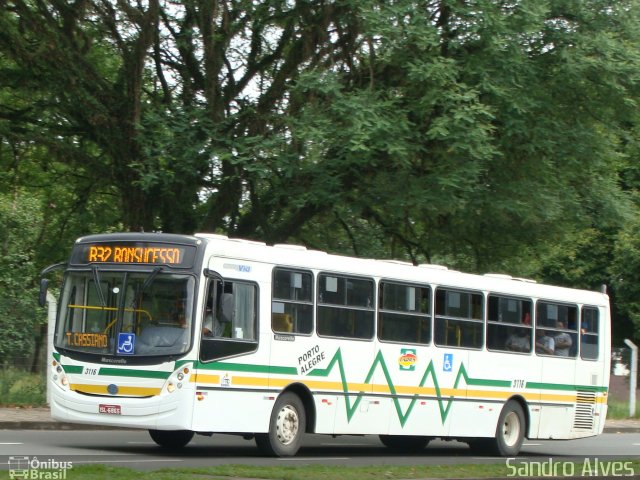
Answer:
(620, 410)
(314, 472)
(20, 388)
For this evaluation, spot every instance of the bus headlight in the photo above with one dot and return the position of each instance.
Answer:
(178, 378)
(58, 376)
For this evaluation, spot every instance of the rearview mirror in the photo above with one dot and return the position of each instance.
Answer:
(44, 285)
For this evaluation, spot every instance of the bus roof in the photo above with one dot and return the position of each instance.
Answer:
(296, 256)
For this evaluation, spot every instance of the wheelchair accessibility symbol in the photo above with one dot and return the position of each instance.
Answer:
(126, 343)
(447, 365)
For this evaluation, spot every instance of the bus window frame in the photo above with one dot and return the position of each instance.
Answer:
(575, 333)
(509, 324)
(482, 321)
(429, 314)
(226, 344)
(311, 303)
(319, 304)
(597, 334)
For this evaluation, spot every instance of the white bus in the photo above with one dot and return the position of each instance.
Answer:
(205, 334)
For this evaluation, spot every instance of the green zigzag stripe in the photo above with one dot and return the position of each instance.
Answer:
(402, 416)
(444, 406)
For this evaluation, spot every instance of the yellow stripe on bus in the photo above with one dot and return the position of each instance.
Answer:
(102, 389)
(355, 388)
(204, 378)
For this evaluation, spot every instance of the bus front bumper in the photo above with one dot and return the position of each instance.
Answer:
(160, 412)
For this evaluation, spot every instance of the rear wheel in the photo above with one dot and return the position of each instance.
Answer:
(171, 438)
(405, 443)
(509, 433)
(510, 430)
(286, 427)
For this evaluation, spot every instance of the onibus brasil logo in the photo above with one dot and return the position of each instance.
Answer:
(32, 468)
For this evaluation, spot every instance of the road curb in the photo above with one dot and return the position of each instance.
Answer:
(621, 430)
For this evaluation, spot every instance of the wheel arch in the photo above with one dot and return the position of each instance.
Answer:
(305, 395)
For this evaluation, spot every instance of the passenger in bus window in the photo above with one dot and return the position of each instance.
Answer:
(207, 325)
(217, 325)
(562, 341)
(545, 343)
(519, 341)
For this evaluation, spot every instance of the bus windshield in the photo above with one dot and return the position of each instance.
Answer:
(126, 314)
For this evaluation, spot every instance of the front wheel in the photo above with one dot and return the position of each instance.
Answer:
(286, 427)
(171, 438)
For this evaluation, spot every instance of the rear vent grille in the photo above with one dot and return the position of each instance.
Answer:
(586, 402)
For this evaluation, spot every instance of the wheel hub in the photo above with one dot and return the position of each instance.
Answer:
(287, 425)
(511, 429)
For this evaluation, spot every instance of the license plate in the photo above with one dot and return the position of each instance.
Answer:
(110, 409)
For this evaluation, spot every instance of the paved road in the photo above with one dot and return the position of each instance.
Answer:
(40, 419)
(136, 450)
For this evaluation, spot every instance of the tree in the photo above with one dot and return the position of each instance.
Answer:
(19, 322)
(86, 60)
(485, 135)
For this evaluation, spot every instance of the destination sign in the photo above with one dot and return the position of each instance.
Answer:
(135, 253)
(123, 254)
(78, 339)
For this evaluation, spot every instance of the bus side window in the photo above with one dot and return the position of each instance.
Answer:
(234, 320)
(509, 324)
(292, 301)
(459, 319)
(589, 338)
(345, 307)
(404, 313)
(556, 321)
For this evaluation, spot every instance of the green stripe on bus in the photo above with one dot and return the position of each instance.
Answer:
(565, 387)
(72, 368)
(244, 367)
(120, 372)
(429, 372)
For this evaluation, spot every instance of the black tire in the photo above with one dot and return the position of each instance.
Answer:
(509, 433)
(510, 430)
(286, 427)
(173, 439)
(405, 443)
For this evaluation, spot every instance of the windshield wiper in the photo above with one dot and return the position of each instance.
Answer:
(96, 281)
(146, 284)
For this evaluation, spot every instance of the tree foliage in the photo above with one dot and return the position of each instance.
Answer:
(19, 317)
(484, 134)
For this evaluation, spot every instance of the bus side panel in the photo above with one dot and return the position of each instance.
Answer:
(415, 409)
(302, 359)
(235, 399)
(326, 407)
(477, 408)
(357, 412)
(557, 397)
